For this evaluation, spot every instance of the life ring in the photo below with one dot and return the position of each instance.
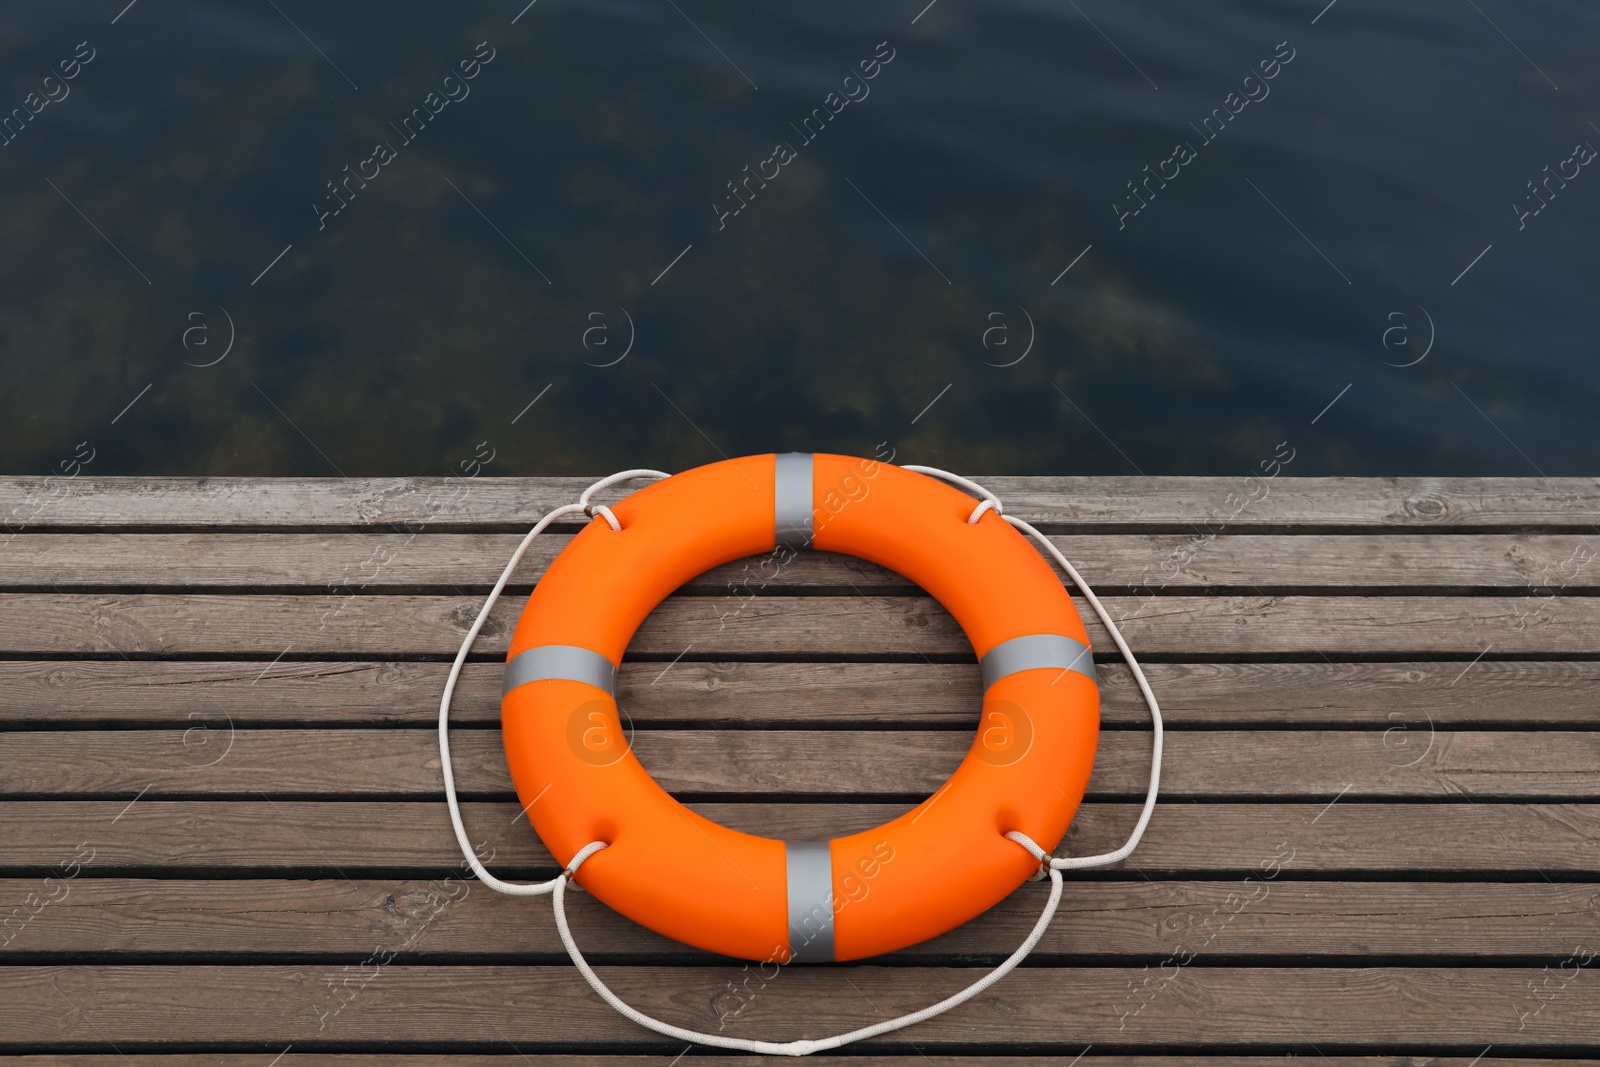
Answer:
(863, 894)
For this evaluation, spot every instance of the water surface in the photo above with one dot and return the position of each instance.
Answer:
(1076, 237)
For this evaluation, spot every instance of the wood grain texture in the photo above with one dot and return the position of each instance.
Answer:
(1466, 838)
(90, 501)
(1060, 1008)
(895, 627)
(214, 697)
(1529, 694)
(1534, 564)
(435, 918)
(1406, 760)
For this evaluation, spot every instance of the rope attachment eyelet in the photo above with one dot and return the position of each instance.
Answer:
(987, 505)
(583, 854)
(604, 512)
(592, 510)
(1034, 850)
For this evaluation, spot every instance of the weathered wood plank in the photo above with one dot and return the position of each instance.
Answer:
(1257, 918)
(408, 504)
(375, 562)
(188, 693)
(1059, 1008)
(90, 501)
(1499, 870)
(875, 626)
(1407, 760)
(1463, 839)
(1536, 564)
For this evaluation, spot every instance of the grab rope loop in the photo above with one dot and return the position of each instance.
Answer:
(516, 889)
(803, 1047)
(1157, 731)
(556, 887)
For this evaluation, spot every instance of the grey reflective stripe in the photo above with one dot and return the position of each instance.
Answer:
(569, 662)
(791, 509)
(1033, 652)
(810, 866)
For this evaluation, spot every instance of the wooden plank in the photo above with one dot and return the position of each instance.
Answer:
(1053, 1008)
(93, 502)
(96, 502)
(187, 693)
(878, 626)
(342, 563)
(1405, 761)
(1537, 565)
(1464, 839)
(1258, 918)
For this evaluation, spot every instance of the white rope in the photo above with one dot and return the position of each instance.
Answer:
(1154, 788)
(977, 512)
(621, 476)
(956, 479)
(556, 887)
(807, 1046)
(518, 889)
(1156, 731)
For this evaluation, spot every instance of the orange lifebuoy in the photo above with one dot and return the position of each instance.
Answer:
(760, 898)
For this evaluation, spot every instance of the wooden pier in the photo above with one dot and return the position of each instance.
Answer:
(223, 838)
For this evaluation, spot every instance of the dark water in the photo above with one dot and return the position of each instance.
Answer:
(895, 277)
